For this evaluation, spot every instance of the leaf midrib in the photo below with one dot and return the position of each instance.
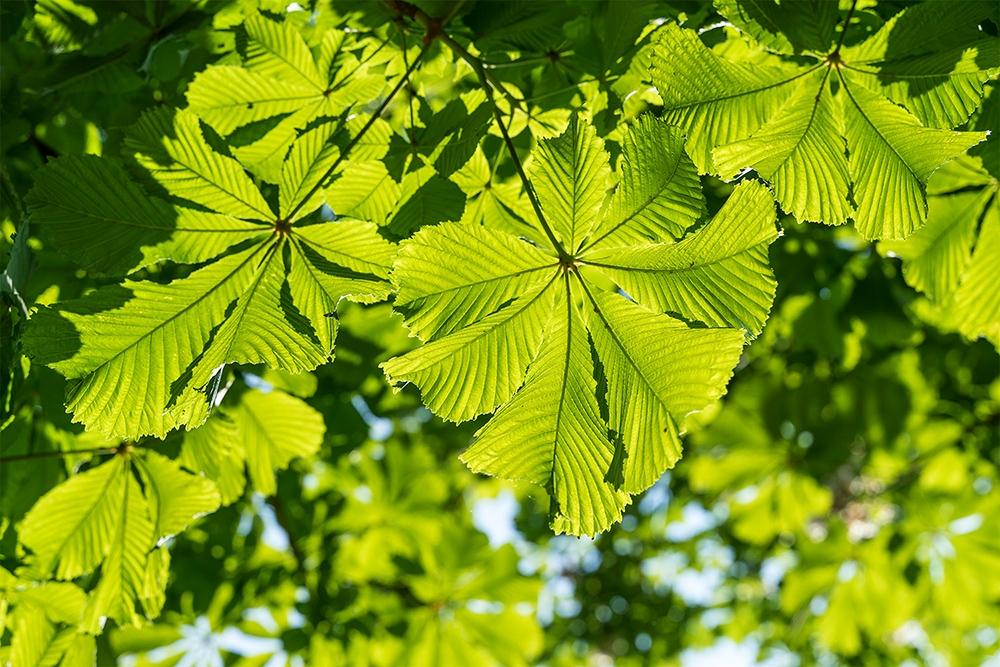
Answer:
(692, 267)
(564, 386)
(139, 225)
(620, 345)
(87, 515)
(649, 200)
(875, 128)
(181, 312)
(752, 91)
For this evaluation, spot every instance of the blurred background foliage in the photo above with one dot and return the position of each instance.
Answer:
(839, 507)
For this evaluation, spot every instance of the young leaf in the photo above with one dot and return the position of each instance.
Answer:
(215, 449)
(953, 258)
(275, 428)
(589, 405)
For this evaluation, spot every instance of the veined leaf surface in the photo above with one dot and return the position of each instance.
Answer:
(144, 357)
(589, 377)
(831, 136)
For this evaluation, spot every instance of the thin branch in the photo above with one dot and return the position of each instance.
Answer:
(528, 187)
(527, 60)
(847, 24)
(406, 64)
(434, 29)
(367, 126)
(282, 518)
(42, 455)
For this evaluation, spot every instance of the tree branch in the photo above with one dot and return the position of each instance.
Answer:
(367, 126)
(300, 558)
(435, 29)
(53, 453)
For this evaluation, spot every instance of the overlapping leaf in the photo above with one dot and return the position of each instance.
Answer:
(954, 258)
(590, 378)
(45, 623)
(144, 356)
(262, 433)
(282, 87)
(285, 88)
(103, 518)
(830, 136)
(409, 185)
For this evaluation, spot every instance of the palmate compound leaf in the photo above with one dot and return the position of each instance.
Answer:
(143, 357)
(589, 378)
(282, 87)
(458, 569)
(103, 518)
(831, 137)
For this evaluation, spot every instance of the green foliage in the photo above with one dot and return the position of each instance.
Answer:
(280, 88)
(103, 518)
(790, 122)
(517, 329)
(506, 219)
(271, 301)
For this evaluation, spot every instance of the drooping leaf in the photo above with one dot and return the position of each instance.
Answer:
(937, 255)
(976, 309)
(104, 518)
(215, 449)
(176, 498)
(68, 530)
(276, 428)
(953, 258)
(262, 433)
(38, 642)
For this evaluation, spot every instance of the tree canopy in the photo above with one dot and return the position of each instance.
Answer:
(443, 332)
